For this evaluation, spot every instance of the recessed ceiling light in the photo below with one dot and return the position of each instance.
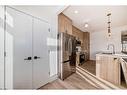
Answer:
(86, 24)
(75, 11)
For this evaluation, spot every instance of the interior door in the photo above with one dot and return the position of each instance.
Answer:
(1, 47)
(18, 50)
(40, 52)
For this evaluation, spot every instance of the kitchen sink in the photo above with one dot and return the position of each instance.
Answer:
(107, 53)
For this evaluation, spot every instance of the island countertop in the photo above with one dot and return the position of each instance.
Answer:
(120, 55)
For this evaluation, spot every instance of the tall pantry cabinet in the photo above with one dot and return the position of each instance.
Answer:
(26, 60)
(64, 24)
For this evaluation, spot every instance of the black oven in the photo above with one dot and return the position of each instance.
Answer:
(82, 58)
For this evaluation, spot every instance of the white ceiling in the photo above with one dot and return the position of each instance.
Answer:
(96, 16)
(40, 9)
(43, 12)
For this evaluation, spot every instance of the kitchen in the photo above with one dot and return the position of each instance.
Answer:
(108, 61)
(68, 47)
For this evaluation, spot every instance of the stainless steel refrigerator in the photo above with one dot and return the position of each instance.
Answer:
(66, 55)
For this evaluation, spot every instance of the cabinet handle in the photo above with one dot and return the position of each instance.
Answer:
(115, 58)
(35, 57)
(28, 58)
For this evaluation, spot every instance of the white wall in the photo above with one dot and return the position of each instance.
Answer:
(1, 47)
(99, 40)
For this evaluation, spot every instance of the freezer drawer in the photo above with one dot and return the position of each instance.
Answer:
(67, 70)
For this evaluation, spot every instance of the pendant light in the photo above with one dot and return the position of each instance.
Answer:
(86, 25)
(109, 24)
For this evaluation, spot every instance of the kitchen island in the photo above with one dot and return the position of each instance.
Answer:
(108, 67)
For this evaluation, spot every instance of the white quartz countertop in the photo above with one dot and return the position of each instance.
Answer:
(112, 55)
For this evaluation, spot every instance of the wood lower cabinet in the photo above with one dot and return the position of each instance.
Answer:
(108, 68)
(77, 58)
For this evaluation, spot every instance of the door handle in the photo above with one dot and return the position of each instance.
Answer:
(35, 57)
(29, 58)
(115, 58)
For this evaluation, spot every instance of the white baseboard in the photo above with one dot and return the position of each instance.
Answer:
(52, 78)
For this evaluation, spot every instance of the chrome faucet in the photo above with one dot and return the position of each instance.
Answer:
(113, 47)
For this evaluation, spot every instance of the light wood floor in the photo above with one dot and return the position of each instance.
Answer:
(72, 82)
(90, 66)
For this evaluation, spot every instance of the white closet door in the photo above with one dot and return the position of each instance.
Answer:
(18, 49)
(1, 47)
(40, 50)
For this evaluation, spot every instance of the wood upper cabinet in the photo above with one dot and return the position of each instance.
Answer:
(108, 68)
(64, 24)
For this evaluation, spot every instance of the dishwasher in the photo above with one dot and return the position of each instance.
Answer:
(124, 67)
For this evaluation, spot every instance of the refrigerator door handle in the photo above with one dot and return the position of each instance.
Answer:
(66, 61)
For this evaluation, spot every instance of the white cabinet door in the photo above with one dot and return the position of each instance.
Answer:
(40, 54)
(1, 47)
(18, 49)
